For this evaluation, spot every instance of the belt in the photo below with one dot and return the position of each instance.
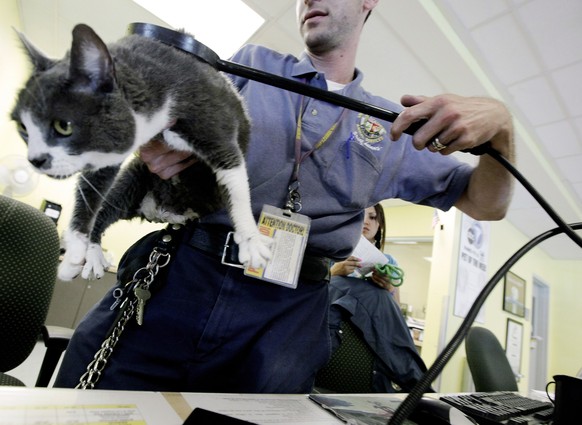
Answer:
(216, 240)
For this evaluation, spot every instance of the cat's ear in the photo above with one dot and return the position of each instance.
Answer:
(39, 61)
(91, 67)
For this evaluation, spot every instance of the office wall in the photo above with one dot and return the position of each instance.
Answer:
(565, 352)
(409, 240)
(415, 261)
(565, 287)
(562, 277)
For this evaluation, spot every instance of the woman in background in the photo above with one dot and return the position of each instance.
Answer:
(371, 305)
(374, 230)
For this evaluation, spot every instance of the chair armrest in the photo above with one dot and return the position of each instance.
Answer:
(52, 334)
(56, 339)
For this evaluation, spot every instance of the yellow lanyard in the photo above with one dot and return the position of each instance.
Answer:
(293, 196)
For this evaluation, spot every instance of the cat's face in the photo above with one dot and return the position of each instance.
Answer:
(67, 131)
(72, 118)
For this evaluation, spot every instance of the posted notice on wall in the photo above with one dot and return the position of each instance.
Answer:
(472, 265)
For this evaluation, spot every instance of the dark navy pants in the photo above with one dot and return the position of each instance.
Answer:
(207, 328)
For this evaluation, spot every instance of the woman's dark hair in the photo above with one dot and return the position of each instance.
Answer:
(381, 219)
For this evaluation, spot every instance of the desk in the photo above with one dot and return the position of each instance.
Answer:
(28, 406)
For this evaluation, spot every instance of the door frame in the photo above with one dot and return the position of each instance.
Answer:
(538, 359)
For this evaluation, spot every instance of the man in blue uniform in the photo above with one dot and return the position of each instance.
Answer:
(210, 328)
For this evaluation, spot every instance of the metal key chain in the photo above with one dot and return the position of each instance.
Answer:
(129, 306)
(294, 197)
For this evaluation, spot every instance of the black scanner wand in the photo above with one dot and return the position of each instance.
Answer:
(189, 44)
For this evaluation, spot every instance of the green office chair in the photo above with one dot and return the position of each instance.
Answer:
(29, 255)
(351, 366)
(488, 363)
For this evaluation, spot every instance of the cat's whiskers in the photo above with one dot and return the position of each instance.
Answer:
(103, 198)
(82, 194)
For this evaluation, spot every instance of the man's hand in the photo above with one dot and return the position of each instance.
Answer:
(162, 160)
(459, 123)
(462, 123)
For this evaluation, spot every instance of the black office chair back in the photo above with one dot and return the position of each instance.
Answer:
(29, 253)
(351, 365)
(488, 362)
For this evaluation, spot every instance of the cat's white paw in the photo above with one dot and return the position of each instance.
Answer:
(75, 248)
(95, 263)
(255, 250)
(68, 271)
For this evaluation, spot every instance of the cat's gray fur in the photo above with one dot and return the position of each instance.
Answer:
(92, 109)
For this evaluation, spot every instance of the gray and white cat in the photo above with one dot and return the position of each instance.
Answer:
(92, 109)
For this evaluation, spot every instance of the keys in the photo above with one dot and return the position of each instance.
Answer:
(142, 295)
(117, 294)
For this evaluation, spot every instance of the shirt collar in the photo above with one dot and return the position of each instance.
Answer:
(303, 68)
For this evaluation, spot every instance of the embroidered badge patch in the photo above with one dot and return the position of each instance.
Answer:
(370, 131)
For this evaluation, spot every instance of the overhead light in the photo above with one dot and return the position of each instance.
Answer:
(221, 25)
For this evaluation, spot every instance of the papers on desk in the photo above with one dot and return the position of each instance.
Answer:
(415, 323)
(369, 256)
(31, 406)
(360, 409)
(54, 406)
(281, 409)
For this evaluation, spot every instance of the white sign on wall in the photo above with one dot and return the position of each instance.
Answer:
(472, 265)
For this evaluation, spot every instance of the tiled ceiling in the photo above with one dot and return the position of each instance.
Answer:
(532, 51)
(527, 53)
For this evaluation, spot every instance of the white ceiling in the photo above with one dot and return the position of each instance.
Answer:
(526, 52)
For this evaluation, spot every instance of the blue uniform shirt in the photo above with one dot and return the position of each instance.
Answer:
(356, 167)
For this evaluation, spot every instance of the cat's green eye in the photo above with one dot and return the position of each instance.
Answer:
(64, 128)
(21, 129)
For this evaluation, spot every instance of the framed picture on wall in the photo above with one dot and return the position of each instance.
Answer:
(514, 344)
(514, 294)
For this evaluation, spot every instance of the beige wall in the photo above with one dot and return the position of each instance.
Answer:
(411, 224)
(562, 277)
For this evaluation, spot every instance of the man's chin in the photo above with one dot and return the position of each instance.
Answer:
(316, 43)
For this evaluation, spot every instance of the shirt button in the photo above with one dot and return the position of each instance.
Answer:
(314, 112)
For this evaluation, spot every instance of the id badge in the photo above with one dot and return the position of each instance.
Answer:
(289, 232)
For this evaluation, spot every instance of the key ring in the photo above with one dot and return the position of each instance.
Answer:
(294, 197)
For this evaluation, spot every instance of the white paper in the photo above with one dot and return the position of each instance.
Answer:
(362, 409)
(31, 406)
(282, 409)
(471, 265)
(369, 256)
